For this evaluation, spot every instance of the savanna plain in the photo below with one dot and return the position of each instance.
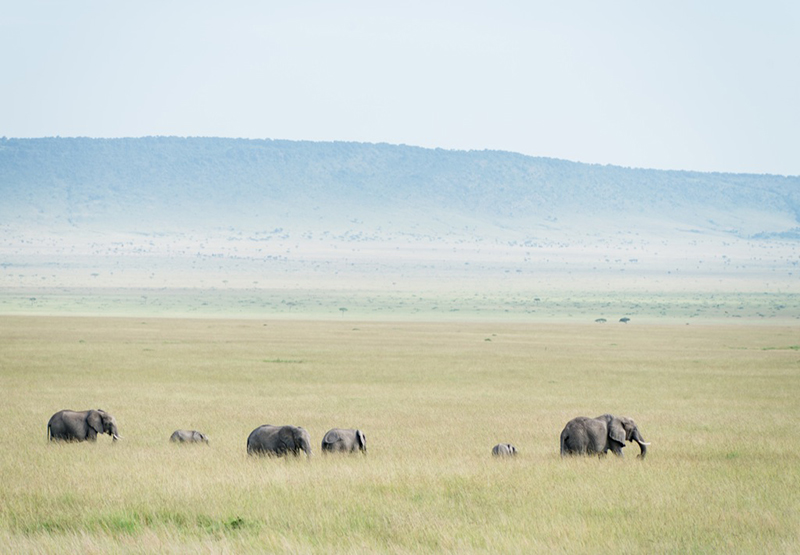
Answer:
(719, 404)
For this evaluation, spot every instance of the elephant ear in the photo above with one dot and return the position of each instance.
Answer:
(332, 436)
(95, 421)
(286, 437)
(616, 431)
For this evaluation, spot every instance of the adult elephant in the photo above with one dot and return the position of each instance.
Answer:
(69, 425)
(278, 441)
(504, 450)
(344, 440)
(589, 436)
(188, 436)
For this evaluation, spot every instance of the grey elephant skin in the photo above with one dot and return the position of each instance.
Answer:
(504, 450)
(344, 440)
(188, 436)
(595, 436)
(69, 425)
(279, 441)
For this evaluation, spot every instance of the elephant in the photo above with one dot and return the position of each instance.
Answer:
(341, 440)
(595, 436)
(69, 425)
(504, 450)
(278, 441)
(188, 436)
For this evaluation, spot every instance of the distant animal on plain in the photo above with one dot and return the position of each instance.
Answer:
(188, 436)
(70, 425)
(504, 450)
(344, 440)
(595, 436)
(278, 441)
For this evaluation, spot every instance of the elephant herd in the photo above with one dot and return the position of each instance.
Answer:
(581, 436)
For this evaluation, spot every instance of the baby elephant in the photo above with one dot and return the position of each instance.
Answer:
(188, 436)
(341, 440)
(504, 450)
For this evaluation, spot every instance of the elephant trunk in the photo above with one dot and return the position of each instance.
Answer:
(637, 437)
(114, 433)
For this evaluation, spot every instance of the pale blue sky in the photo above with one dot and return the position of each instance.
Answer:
(709, 86)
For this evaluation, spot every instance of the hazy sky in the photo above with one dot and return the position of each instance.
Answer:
(710, 86)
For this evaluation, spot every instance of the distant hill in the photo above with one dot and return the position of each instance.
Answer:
(163, 183)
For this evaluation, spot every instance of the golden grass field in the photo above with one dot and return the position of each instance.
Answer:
(720, 404)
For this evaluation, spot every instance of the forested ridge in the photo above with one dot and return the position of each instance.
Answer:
(82, 180)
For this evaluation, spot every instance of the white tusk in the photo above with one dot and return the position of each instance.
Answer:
(117, 437)
(644, 443)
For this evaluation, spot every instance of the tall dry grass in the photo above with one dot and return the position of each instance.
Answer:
(719, 405)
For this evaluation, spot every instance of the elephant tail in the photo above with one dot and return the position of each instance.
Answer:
(49, 433)
(564, 438)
